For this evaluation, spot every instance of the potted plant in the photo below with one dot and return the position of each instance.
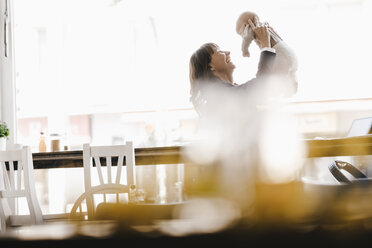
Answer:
(4, 133)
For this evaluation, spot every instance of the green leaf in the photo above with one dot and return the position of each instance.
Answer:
(4, 130)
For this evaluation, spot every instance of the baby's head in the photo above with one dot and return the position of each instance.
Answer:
(243, 21)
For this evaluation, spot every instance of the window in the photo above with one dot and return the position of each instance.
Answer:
(104, 71)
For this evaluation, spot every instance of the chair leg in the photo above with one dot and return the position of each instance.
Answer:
(35, 211)
(2, 219)
(4, 214)
(90, 206)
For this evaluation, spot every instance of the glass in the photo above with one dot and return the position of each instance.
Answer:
(55, 142)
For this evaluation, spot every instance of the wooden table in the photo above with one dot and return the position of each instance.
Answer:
(71, 159)
(353, 146)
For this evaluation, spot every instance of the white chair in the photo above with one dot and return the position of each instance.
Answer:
(17, 181)
(110, 181)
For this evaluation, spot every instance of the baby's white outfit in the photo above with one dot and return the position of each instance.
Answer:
(285, 60)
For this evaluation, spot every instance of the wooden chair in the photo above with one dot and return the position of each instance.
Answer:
(17, 181)
(110, 181)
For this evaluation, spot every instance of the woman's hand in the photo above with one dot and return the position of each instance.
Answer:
(262, 34)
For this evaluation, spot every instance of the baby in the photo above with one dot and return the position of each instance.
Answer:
(285, 60)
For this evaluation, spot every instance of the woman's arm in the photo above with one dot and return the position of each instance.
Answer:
(263, 40)
(274, 37)
(265, 65)
(265, 69)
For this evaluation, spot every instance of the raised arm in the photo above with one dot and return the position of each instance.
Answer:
(265, 65)
(267, 57)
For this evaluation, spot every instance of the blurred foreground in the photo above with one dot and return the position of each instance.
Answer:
(291, 214)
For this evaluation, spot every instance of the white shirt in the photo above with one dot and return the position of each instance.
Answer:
(270, 49)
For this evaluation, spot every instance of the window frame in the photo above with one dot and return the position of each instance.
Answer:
(8, 111)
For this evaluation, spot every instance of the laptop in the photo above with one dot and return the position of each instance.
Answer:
(360, 126)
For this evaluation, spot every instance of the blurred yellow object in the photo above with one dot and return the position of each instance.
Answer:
(133, 214)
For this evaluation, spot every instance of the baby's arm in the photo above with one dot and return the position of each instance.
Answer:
(248, 37)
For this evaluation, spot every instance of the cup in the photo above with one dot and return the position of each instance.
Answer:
(55, 142)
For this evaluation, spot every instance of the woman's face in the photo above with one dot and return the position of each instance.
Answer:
(221, 62)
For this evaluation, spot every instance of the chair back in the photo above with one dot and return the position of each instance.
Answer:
(103, 174)
(97, 157)
(17, 181)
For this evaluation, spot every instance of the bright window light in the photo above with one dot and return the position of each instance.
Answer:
(85, 58)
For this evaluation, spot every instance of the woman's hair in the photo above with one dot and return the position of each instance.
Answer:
(200, 71)
(199, 64)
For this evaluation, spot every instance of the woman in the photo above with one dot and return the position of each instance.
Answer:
(211, 76)
(231, 127)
